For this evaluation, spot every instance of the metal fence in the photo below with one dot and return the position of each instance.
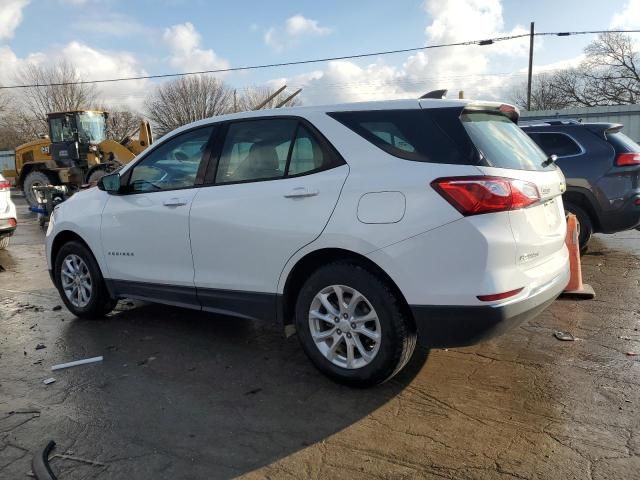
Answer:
(628, 115)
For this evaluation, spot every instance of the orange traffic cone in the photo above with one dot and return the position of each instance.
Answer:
(575, 288)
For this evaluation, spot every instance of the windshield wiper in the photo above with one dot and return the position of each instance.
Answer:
(550, 159)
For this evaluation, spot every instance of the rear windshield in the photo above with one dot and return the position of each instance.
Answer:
(621, 143)
(502, 143)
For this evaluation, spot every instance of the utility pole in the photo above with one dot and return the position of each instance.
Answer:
(235, 102)
(530, 67)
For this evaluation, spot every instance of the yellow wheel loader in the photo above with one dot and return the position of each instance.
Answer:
(76, 153)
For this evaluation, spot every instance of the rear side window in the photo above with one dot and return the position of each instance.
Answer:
(502, 143)
(556, 144)
(433, 136)
(306, 154)
(621, 143)
(255, 150)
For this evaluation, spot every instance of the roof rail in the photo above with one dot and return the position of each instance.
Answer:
(435, 94)
(551, 121)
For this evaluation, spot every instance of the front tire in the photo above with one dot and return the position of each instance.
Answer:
(34, 179)
(352, 325)
(80, 283)
(585, 225)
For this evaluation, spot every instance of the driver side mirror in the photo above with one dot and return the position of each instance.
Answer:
(110, 183)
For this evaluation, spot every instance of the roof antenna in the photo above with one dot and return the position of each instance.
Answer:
(440, 94)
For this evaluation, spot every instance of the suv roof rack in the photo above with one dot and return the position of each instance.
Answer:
(550, 121)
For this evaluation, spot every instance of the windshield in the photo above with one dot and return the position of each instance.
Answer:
(502, 143)
(91, 127)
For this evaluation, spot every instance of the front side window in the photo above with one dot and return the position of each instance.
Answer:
(556, 144)
(172, 165)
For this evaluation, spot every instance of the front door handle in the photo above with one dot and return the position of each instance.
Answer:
(174, 202)
(300, 192)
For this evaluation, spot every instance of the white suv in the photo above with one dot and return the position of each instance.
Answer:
(8, 220)
(363, 227)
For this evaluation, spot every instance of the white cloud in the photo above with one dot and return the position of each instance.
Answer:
(95, 64)
(187, 54)
(272, 40)
(10, 16)
(91, 64)
(109, 24)
(299, 25)
(628, 18)
(457, 68)
(295, 28)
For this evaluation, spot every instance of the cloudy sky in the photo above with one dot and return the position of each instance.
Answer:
(117, 38)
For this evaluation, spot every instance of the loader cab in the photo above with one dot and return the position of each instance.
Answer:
(73, 134)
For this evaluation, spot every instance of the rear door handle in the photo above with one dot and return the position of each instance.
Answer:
(174, 202)
(300, 192)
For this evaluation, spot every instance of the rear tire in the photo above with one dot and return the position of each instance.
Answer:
(33, 179)
(4, 242)
(80, 283)
(369, 305)
(585, 225)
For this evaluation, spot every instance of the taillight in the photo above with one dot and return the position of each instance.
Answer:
(13, 222)
(626, 159)
(499, 296)
(4, 185)
(477, 195)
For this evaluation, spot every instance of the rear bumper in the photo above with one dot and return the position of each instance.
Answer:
(441, 326)
(626, 218)
(7, 231)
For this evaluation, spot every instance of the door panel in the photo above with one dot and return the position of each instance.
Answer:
(145, 229)
(145, 240)
(243, 234)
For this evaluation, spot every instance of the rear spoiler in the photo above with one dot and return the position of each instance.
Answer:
(505, 109)
(602, 128)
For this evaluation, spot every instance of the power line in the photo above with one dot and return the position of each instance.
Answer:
(488, 41)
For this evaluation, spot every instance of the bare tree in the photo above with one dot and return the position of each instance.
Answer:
(545, 95)
(10, 135)
(254, 96)
(121, 123)
(609, 75)
(187, 99)
(52, 89)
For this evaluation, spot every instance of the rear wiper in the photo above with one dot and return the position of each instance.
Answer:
(550, 159)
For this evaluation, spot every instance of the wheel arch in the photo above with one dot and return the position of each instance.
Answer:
(583, 198)
(43, 167)
(314, 260)
(62, 237)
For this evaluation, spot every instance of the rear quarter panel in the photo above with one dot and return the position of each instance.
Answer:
(373, 170)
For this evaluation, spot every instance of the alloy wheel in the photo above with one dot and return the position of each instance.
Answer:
(76, 281)
(345, 327)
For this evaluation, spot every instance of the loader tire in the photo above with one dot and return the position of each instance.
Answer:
(34, 179)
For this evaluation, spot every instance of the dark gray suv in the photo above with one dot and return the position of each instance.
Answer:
(602, 169)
